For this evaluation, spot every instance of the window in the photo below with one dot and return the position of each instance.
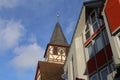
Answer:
(93, 18)
(55, 51)
(98, 43)
(95, 26)
(94, 77)
(104, 73)
(92, 24)
(94, 21)
(112, 66)
(91, 50)
(87, 32)
(105, 35)
(101, 20)
(87, 35)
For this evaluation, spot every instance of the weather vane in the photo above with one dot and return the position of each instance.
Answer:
(58, 15)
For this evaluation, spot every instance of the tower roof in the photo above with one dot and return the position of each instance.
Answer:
(58, 37)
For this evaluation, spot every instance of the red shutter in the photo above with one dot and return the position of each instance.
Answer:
(91, 65)
(112, 10)
(101, 58)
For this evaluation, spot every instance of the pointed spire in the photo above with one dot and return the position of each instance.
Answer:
(58, 37)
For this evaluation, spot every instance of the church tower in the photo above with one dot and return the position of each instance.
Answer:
(57, 48)
(55, 56)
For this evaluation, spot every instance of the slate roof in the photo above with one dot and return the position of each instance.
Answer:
(50, 71)
(58, 36)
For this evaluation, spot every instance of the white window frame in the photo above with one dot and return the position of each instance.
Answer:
(86, 32)
(89, 29)
(91, 24)
(94, 76)
(102, 71)
(96, 19)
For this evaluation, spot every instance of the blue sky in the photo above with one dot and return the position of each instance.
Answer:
(25, 29)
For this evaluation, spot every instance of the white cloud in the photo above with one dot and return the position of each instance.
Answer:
(70, 28)
(32, 38)
(27, 56)
(10, 33)
(9, 3)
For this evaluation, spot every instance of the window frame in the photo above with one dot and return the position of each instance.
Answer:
(87, 30)
(96, 47)
(105, 37)
(102, 71)
(91, 78)
(112, 66)
(93, 53)
(95, 22)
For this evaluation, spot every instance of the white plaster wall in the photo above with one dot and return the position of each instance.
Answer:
(68, 63)
(80, 58)
(70, 71)
(77, 52)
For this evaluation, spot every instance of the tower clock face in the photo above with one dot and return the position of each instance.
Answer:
(61, 51)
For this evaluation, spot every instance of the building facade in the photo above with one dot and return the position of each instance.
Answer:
(94, 53)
